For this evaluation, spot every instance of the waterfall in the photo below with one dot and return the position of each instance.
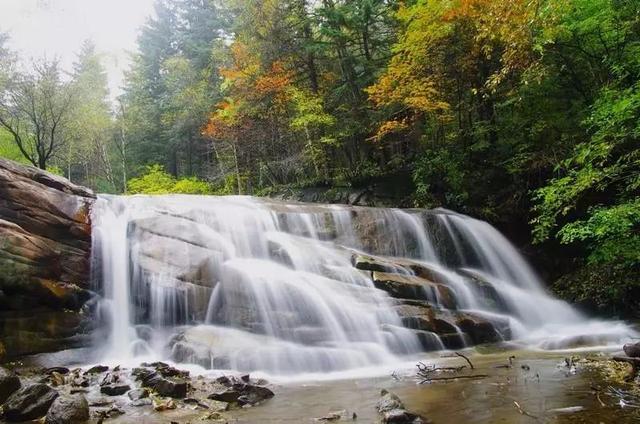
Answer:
(252, 284)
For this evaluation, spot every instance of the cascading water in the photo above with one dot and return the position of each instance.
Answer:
(258, 285)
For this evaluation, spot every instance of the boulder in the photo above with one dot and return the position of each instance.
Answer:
(9, 383)
(414, 288)
(243, 394)
(401, 416)
(167, 387)
(45, 241)
(114, 389)
(393, 411)
(68, 410)
(632, 350)
(96, 369)
(388, 402)
(29, 403)
(137, 394)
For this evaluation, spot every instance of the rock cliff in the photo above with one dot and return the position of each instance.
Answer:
(45, 242)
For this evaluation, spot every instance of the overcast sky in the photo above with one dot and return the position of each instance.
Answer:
(57, 28)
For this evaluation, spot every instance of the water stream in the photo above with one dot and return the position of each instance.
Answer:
(250, 284)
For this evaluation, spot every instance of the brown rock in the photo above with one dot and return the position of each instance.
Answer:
(45, 239)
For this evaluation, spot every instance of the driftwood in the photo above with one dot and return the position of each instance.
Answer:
(455, 377)
(635, 365)
(465, 358)
(522, 411)
(427, 372)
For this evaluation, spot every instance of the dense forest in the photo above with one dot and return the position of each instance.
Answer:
(524, 113)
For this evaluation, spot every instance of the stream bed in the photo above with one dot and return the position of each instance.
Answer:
(537, 387)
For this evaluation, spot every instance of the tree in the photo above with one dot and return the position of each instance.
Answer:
(35, 108)
(90, 148)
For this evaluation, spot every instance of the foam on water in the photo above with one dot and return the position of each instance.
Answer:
(246, 284)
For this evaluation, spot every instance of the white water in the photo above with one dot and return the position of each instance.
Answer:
(255, 285)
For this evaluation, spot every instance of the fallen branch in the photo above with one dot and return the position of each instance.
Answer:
(522, 411)
(454, 377)
(465, 358)
(426, 371)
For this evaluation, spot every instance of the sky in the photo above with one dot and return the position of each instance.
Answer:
(57, 29)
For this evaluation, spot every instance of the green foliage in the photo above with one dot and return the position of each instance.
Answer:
(156, 180)
(612, 232)
(9, 149)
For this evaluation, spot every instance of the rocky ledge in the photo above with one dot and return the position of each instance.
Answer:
(45, 241)
(63, 396)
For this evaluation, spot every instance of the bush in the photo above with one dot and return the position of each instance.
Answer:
(157, 181)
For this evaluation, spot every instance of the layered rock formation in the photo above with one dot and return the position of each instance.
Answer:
(45, 240)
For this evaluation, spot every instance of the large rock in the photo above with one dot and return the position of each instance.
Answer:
(68, 410)
(167, 387)
(45, 241)
(29, 403)
(414, 287)
(9, 383)
(393, 410)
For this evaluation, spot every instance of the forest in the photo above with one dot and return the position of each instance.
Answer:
(524, 113)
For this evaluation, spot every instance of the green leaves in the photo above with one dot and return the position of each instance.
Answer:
(156, 181)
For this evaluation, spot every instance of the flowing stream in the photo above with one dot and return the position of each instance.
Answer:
(248, 284)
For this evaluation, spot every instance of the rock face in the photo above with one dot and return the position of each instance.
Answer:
(45, 240)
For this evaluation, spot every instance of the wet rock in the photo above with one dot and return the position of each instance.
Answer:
(98, 369)
(333, 416)
(166, 370)
(101, 401)
(174, 388)
(114, 389)
(29, 403)
(9, 383)
(400, 416)
(228, 395)
(371, 263)
(59, 370)
(111, 412)
(393, 411)
(212, 416)
(56, 379)
(388, 402)
(632, 350)
(68, 410)
(137, 394)
(243, 394)
(142, 402)
(196, 402)
(479, 329)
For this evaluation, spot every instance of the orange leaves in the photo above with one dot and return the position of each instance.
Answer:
(253, 94)
(449, 51)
